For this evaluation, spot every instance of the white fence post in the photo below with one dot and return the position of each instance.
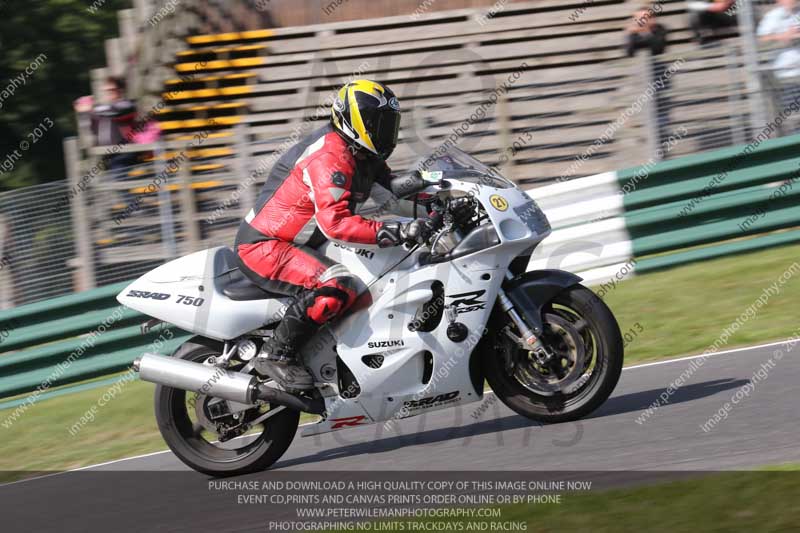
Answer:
(81, 223)
(747, 26)
(188, 208)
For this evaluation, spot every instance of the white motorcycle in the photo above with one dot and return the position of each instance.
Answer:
(432, 324)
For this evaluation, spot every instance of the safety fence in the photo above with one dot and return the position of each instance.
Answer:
(36, 246)
(607, 227)
(72, 339)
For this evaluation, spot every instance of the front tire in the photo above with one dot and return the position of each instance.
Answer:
(578, 322)
(196, 447)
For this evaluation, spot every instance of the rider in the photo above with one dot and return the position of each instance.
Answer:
(310, 196)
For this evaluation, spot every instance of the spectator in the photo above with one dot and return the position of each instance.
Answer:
(112, 122)
(781, 25)
(711, 16)
(644, 32)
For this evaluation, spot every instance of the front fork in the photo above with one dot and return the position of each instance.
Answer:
(528, 339)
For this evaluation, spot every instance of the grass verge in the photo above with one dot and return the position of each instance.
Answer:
(679, 311)
(686, 309)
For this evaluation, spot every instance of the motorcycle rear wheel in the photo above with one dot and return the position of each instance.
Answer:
(579, 317)
(197, 448)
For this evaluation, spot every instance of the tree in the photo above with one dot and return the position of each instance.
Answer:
(58, 42)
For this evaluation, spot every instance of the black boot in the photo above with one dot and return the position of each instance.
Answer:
(278, 358)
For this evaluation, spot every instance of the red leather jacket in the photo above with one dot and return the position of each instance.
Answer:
(311, 195)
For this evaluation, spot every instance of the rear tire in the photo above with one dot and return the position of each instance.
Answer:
(177, 429)
(603, 346)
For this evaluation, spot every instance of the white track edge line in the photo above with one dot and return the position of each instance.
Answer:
(633, 367)
(702, 356)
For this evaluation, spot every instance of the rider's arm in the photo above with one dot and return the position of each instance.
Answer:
(383, 203)
(331, 179)
(383, 176)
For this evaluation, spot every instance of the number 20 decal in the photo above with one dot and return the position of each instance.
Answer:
(189, 300)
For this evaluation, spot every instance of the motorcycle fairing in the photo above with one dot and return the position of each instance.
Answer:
(396, 389)
(172, 292)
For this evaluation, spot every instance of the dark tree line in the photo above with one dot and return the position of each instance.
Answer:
(63, 39)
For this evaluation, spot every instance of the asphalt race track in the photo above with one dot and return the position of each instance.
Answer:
(761, 429)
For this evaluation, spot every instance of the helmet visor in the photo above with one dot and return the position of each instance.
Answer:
(384, 131)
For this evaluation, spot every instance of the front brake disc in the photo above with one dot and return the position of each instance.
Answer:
(568, 351)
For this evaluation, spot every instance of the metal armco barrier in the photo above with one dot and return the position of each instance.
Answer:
(615, 224)
(71, 339)
(661, 215)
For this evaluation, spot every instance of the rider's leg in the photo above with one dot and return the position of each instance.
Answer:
(322, 289)
(309, 311)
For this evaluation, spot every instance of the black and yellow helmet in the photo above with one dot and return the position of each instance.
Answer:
(368, 114)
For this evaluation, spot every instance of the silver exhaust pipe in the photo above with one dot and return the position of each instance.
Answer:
(219, 383)
(197, 377)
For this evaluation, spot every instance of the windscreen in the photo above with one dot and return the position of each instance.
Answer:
(461, 166)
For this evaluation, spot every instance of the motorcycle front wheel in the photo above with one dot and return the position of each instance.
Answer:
(188, 427)
(576, 371)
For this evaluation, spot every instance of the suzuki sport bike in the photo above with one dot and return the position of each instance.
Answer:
(434, 323)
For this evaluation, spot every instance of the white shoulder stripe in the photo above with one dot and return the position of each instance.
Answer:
(312, 149)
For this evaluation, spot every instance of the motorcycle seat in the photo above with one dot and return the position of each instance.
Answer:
(239, 288)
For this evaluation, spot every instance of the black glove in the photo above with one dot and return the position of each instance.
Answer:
(395, 233)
